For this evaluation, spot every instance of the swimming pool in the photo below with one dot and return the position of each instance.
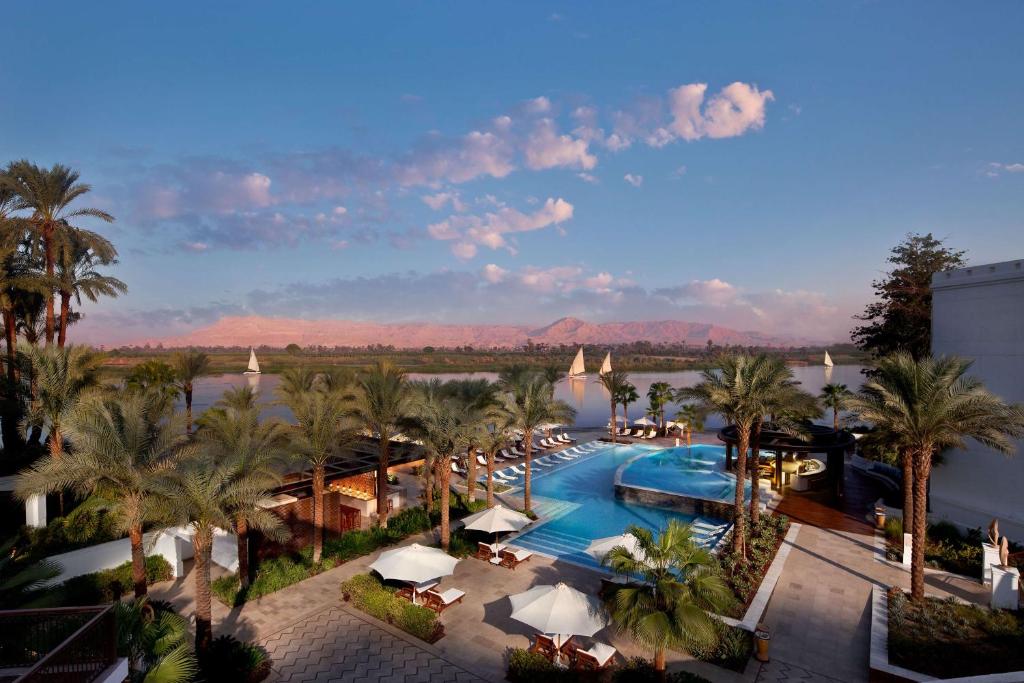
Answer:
(578, 501)
(697, 471)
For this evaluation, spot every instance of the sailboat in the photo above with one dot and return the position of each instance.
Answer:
(577, 370)
(254, 365)
(828, 360)
(828, 368)
(606, 366)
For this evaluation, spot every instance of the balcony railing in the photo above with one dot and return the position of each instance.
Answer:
(60, 645)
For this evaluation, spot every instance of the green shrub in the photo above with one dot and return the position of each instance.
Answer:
(99, 587)
(460, 545)
(368, 594)
(640, 670)
(411, 520)
(84, 526)
(894, 529)
(530, 667)
(730, 648)
(229, 659)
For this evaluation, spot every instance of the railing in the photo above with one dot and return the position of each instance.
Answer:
(62, 645)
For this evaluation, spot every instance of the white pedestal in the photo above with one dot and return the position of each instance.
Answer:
(908, 547)
(35, 511)
(1005, 587)
(989, 558)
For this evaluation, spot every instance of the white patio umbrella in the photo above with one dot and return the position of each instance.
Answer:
(559, 610)
(415, 564)
(645, 421)
(602, 546)
(496, 520)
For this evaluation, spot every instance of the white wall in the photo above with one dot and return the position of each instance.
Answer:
(175, 545)
(978, 313)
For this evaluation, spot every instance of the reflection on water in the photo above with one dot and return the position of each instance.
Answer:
(587, 396)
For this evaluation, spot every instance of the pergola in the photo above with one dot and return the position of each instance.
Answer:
(819, 440)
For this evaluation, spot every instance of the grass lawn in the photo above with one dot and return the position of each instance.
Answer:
(948, 639)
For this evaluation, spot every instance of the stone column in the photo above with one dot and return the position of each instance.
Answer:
(35, 511)
(1005, 587)
(989, 558)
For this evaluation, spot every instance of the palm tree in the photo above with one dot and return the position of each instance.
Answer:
(927, 406)
(727, 391)
(491, 442)
(659, 395)
(514, 375)
(79, 254)
(238, 398)
(322, 430)
(627, 396)
(121, 446)
(20, 576)
(530, 404)
(48, 194)
(678, 586)
(553, 375)
(155, 642)
(478, 398)
(382, 404)
(614, 383)
(835, 397)
(294, 382)
(188, 367)
(62, 377)
(207, 493)
(444, 433)
(693, 417)
(227, 433)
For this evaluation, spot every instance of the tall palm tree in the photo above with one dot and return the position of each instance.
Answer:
(614, 383)
(514, 375)
(529, 405)
(727, 391)
(81, 251)
(49, 194)
(678, 586)
(238, 398)
(207, 493)
(294, 382)
(444, 433)
(121, 447)
(835, 398)
(930, 405)
(478, 398)
(188, 367)
(659, 395)
(230, 433)
(382, 404)
(322, 429)
(627, 396)
(693, 417)
(553, 374)
(492, 441)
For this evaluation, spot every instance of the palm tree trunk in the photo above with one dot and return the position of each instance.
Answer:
(428, 484)
(55, 444)
(528, 446)
(739, 503)
(908, 492)
(444, 478)
(242, 534)
(138, 560)
(922, 468)
(12, 403)
(470, 472)
(188, 408)
(318, 512)
(755, 475)
(201, 545)
(835, 418)
(659, 661)
(48, 258)
(490, 479)
(613, 423)
(65, 310)
(382, 482)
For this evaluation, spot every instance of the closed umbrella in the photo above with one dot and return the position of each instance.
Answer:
(560, 610)
(496, 520)
(415, 564)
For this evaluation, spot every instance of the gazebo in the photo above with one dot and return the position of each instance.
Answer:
(820, 440)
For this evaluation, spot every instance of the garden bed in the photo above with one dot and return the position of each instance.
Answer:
(946, 547)
(744, 579)
(368, 594)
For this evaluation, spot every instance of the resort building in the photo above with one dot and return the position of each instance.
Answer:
(978, 313)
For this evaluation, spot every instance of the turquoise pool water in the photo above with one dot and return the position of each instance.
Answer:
(579, 500)
(697, 471)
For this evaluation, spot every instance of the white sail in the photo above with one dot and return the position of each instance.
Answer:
(606, 366)
(577, 369)
(828, 360)
(254, 365)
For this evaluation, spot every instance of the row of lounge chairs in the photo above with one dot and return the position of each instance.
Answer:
(637, 432)
(516, 452)
(434, 599)
(596, 658)
(502, 555)
(513, 473)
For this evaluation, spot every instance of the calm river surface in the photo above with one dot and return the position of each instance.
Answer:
(588, 398)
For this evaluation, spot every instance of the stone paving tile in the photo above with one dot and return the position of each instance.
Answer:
(777, 671)
(336, 645)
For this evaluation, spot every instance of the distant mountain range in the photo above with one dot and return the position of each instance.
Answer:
(279, 332)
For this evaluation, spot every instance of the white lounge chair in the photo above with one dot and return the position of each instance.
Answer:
(481, 460)
(519, 452)
(501, 476)
(543, 462)
(597, 657)
(441, 601)
(456, 469)
(563, 458)
(518, 469)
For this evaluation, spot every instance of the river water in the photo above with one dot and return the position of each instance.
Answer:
(587, 396)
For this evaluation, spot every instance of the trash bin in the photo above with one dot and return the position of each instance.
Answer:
(879, 517)
(762, 638)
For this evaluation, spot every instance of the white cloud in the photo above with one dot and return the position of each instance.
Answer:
(196, 247)
(588, 178)
(439, 200)
(491, 228)
(996, 168)
(545, 148)
(494, 273)
(634, 180)
(538, 105)
(737, 108)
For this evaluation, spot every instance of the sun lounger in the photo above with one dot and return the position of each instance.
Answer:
(563, 438)
(519, 452)
(481, 460)
(546, 443)
(439, 602)
(501, 476)
(512, 557)
(486, 551)
(539, 447)
(651, 435)
(596, 658)
(456, 469)
(543, 462)
(544, 645)
(518, 469)
(563, 457)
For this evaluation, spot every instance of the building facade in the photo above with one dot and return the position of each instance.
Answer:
(978, 313)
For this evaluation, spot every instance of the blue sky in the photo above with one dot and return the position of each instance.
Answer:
(748, 164)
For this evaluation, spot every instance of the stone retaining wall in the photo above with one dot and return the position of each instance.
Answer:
(690, 505)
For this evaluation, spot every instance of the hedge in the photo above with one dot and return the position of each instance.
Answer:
(368, 594)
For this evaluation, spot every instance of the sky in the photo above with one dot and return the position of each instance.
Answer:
(746, 164)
